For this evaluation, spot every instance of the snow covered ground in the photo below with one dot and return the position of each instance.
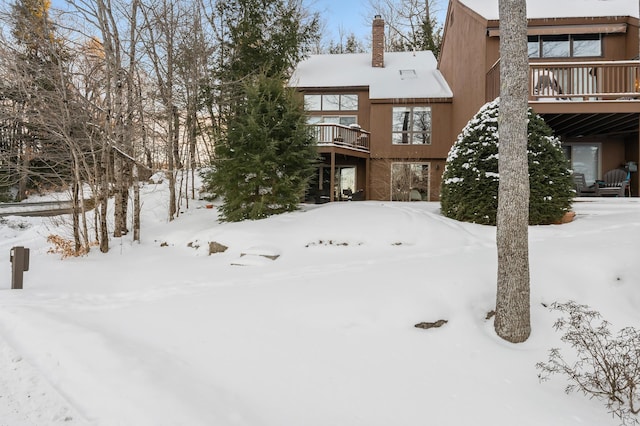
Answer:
(162, 333)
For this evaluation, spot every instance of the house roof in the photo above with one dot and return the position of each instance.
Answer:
(488, 9)
(394, 81)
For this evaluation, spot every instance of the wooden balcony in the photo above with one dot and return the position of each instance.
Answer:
(349, 137)
(591, 81)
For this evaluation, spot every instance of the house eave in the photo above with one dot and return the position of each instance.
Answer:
(615, 28)
(412, 100)
(331, 88)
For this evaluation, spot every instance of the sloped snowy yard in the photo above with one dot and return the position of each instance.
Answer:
(162, 333)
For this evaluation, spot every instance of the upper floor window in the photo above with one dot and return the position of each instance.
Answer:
(331, 102)
(565, 46)
(586, 45)
(411, 125)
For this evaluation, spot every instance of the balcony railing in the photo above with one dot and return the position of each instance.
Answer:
(351, 137)
(576, 81)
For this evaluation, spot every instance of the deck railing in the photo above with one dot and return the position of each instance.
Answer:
(576, 81)
(345, 136)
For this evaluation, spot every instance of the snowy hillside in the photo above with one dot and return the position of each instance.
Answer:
(162, 333)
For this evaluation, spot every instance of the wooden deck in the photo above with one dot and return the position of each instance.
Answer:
(592, 81)
(349, 137)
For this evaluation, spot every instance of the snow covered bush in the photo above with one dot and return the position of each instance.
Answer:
(606, 367)
(470, 181)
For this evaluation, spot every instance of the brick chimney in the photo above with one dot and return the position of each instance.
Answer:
(377, 42)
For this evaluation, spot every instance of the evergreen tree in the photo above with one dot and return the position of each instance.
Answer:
(36, 78)
(470, 180)
(351, 45)
(264, 164)
(267, 35)
(427, 37)
(259, 36)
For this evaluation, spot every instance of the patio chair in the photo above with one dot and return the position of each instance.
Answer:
(358, 195)
(614, 183)
(545, 84)
(581, 187)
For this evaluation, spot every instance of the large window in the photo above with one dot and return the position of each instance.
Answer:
(411, 125)
(331, 102)
(410, 182)
(565, 46)
(586, 45)
(585, 159)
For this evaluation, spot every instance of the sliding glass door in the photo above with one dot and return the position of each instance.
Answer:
(585, 159)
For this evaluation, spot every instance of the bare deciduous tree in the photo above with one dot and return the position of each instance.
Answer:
(162, 21)
(410, 24)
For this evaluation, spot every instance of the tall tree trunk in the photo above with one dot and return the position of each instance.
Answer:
(75, 214)
(104, 198)
(131, 105)
(176, 137)
(136, 204)
(121, 168)
(172, 174)
(25, 164)
(97, 196)
(512, 321)
(83, 212)
(191, 129)
(81, 239)
(118, 210)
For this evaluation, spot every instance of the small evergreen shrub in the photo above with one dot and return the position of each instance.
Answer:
(470, 181)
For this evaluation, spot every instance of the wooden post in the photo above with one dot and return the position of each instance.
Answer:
(332, 178)
(367, 187)
(19, 258)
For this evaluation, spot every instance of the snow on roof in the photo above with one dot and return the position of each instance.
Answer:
(394, 80)
(560, 9)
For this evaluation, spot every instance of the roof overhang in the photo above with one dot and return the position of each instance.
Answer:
(614, 28)
(410, 101)
(594, 124)
(333, 89)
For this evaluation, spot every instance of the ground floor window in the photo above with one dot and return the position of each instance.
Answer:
(410, 181)
(344, 184)
(585, 159)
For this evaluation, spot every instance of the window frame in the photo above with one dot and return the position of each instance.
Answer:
(536, 45)
(423, 184)
(568, 150)
(407, 133)
(331, 101)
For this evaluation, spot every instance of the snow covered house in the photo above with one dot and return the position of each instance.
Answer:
(386, 121)
(584, 75)
(381, 122)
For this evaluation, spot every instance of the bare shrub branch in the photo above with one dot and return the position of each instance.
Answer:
(605, 366)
